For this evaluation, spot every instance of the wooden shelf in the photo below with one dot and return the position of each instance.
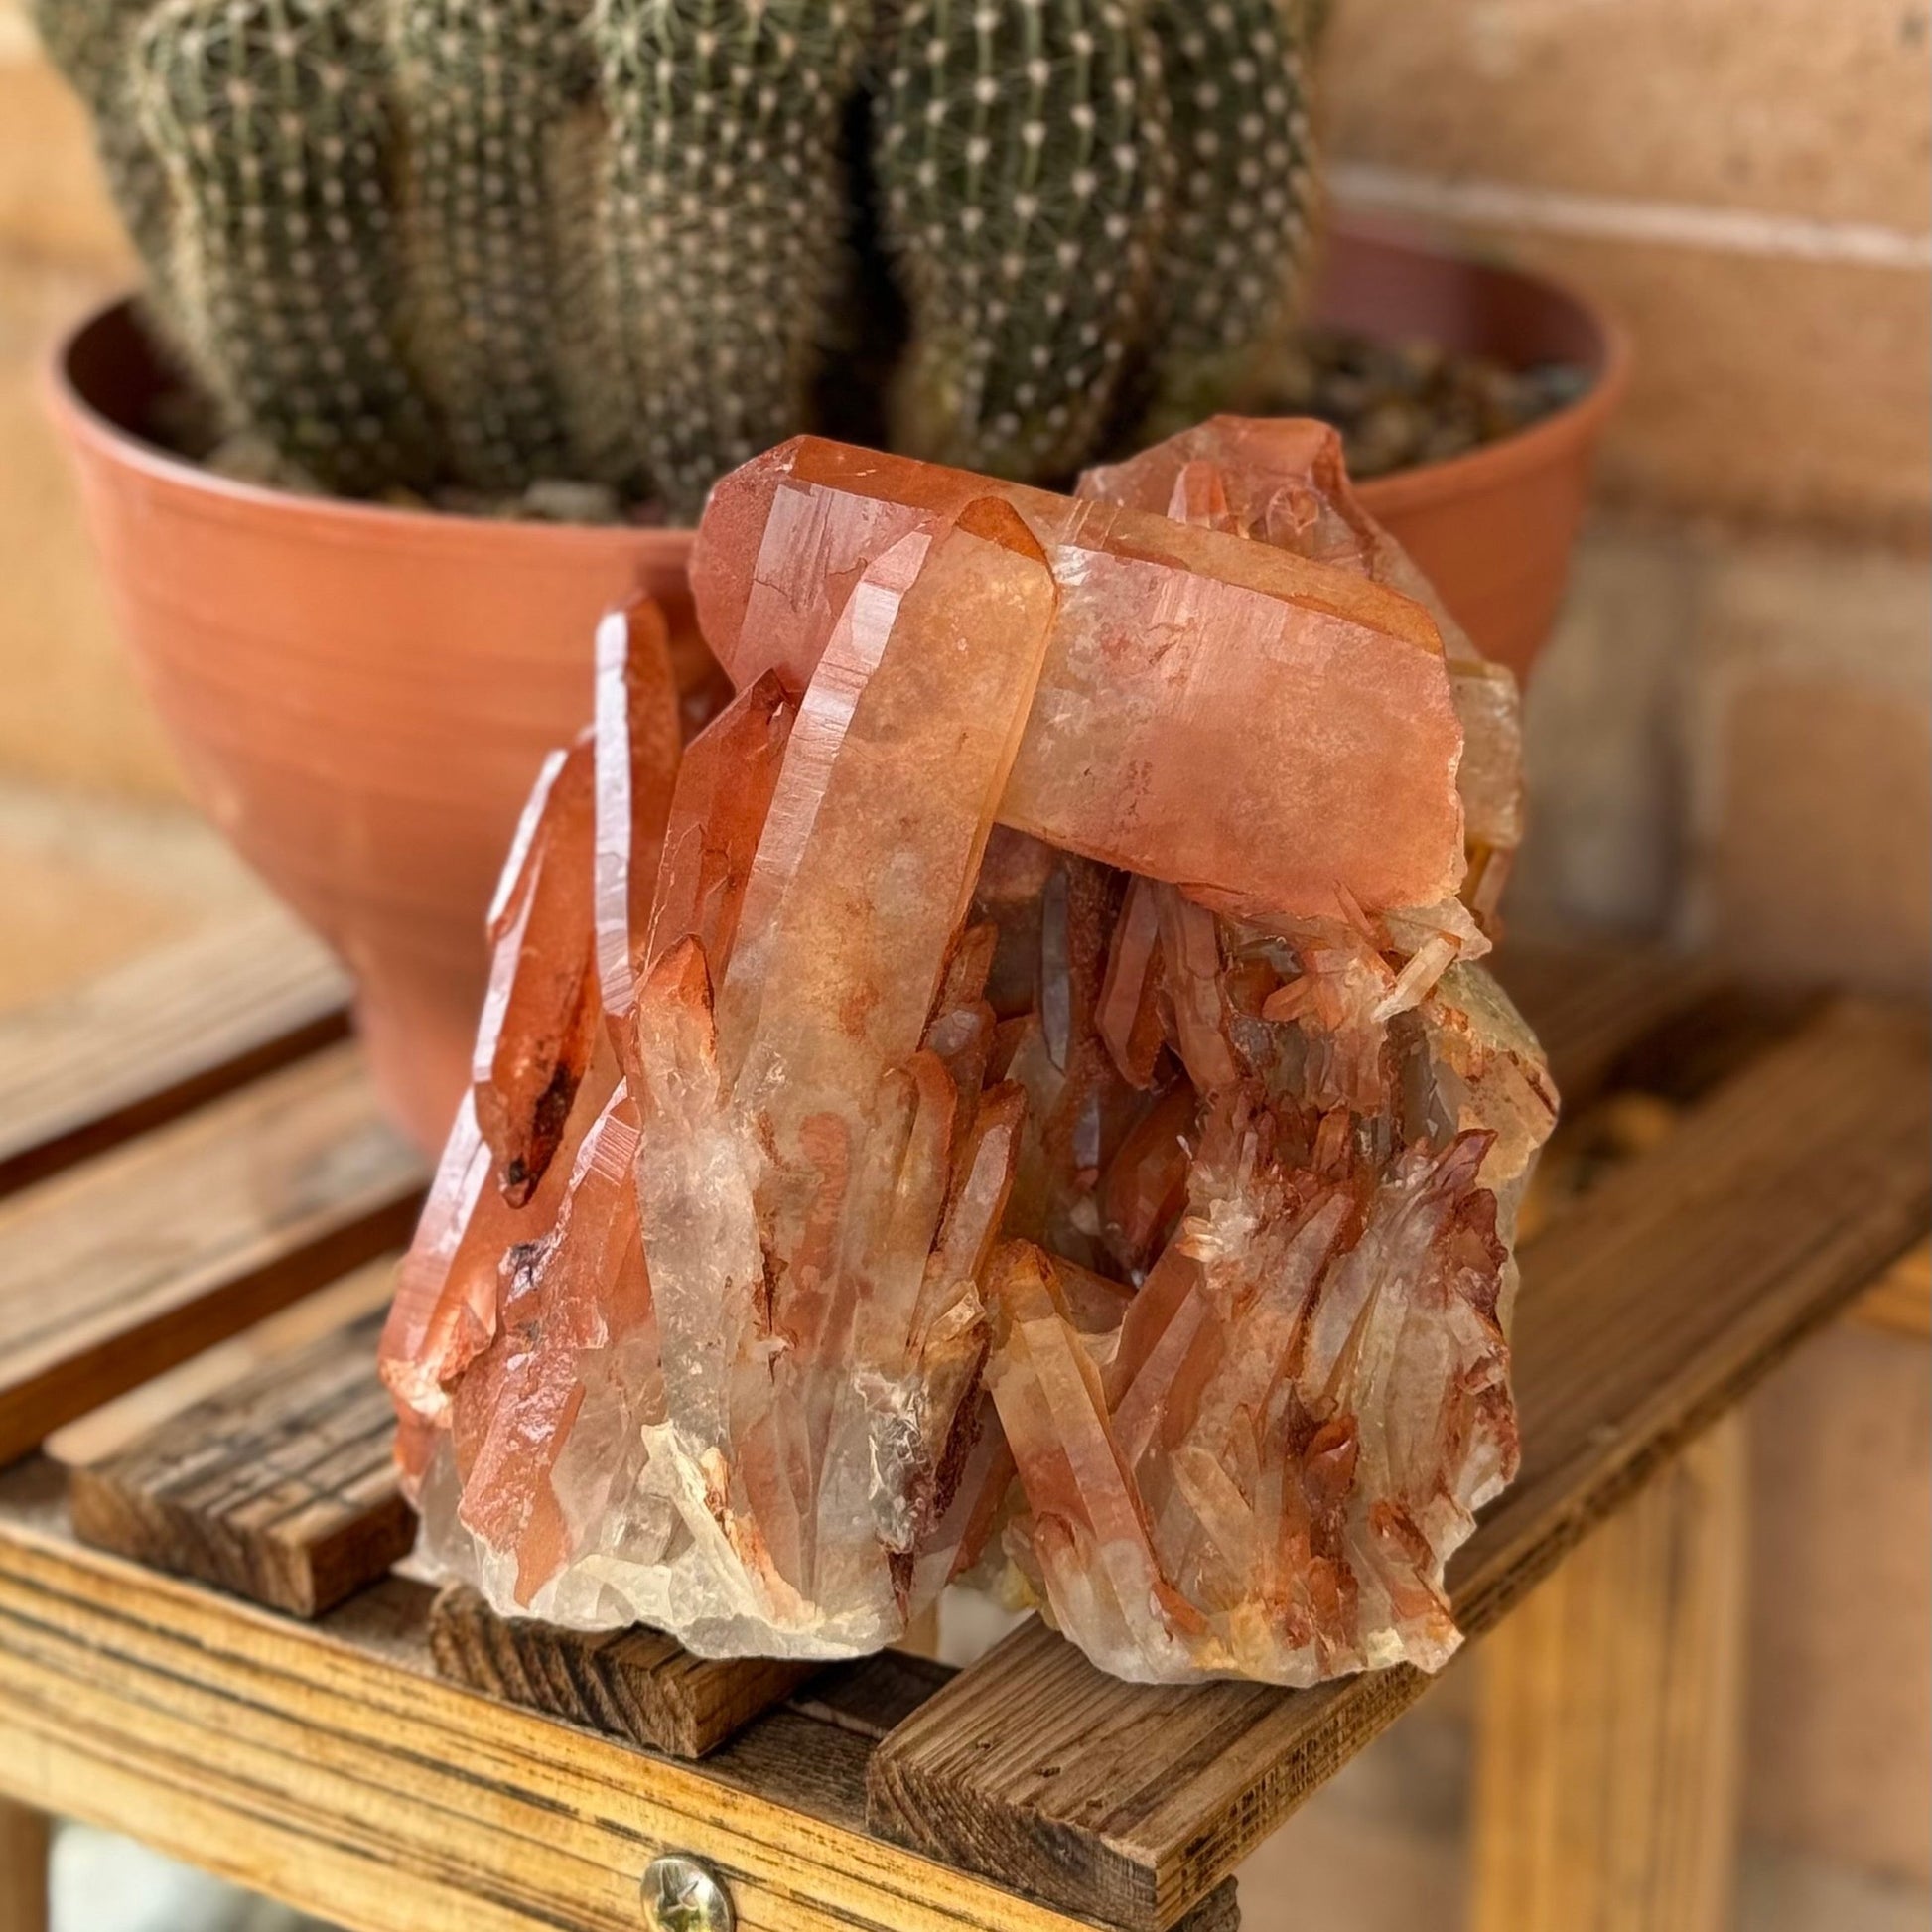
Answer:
(314, 1750)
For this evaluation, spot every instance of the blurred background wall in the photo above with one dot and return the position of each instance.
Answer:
(1732, 738)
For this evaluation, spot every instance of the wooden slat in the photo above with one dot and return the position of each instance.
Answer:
(1611, 1731)
(1646, 1311)
(1592, 1004)
(24, 1840)
(328, 1765)
(1901, 1301)
(117, 1426)
(146, 1043)
(145, 1255)
(282, 1489)
(636, 1683)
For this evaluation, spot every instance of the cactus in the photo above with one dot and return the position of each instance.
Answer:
(1230, 268)
(272, 121)
(92, 43)
(490, 91)
(722, 219)
(1021, 156)
(484, 243)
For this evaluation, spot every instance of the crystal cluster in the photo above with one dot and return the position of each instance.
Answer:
(1015, 1099)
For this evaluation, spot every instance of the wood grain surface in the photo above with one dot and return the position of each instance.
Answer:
(143, 1256)
(636, 1683)
(26, 1836)
(1593, 1006)
(327, 1765)
(121, 1054)
(1611, 1736)
(1648, 1309)
(282, 1489)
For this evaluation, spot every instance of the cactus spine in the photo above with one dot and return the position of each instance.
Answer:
(723, 213)
(92, 43)
(1230, 268)
(272, 120)
(489, 92)
(1020, 153)
(492, 242)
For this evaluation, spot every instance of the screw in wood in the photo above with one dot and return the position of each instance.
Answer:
(684, 1895)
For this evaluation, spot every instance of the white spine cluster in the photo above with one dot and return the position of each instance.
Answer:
(722, 219)
(1021, 150)
(272, 120)
(1230, 268)
(487, 89)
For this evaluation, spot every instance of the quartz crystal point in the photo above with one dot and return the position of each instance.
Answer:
(1219, 713)
(1281, 481)
(539, 1018)
(1264, 1468)
(729, 1384)
(562, 928)
(636, 743)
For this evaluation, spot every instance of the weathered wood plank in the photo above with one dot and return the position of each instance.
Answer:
(636, 1683)
(145, 1044)
(1646, 1311)
(145, 1254)
(1902, 1300)
(328, 1765)
(118, 1424)
(1612, 1727)
(282, 1489)
(1592, 1004)
(24, 1840)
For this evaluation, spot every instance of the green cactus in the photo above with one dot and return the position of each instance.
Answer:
(272, 120)
(1230, 268)
(1021, 154)
(722, 219)
(92, 42)
(490, 92)
(484, 243)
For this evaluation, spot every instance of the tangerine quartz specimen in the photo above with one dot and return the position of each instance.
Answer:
(1021, 1103)
(1222, 714)
(729, 1380)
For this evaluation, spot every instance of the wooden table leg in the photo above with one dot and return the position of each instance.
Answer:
(1610, 1734)
(24, 1839)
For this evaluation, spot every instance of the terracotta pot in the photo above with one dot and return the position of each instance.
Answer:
(1494, 529)
(362, 696)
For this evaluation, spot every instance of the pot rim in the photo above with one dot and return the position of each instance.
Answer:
(1538, 444)
(105, 436)
(1472, 473)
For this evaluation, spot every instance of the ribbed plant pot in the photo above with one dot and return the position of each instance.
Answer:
(360, 696)
(1494, 529)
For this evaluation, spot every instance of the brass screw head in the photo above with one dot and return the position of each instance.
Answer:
(682, 1895)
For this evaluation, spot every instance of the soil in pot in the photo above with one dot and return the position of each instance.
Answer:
(1404, 403)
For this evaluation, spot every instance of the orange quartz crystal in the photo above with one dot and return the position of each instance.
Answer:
(1020, 1099)
(770, 1242)
(1214, 712)
(1281, 481)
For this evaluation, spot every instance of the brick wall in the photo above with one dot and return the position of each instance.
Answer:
(1745, 181)
(1730, 737)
